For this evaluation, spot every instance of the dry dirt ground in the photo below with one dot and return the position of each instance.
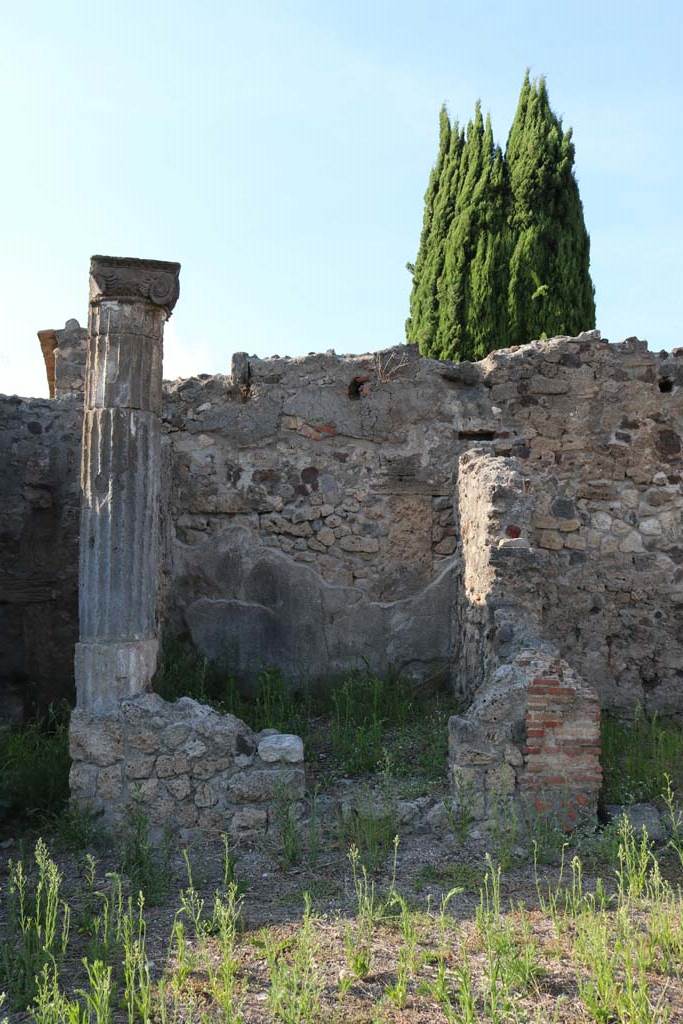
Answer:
(426, 868)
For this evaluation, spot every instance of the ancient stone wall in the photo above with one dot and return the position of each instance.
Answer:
(329, 484)
(597, 430)
(40, 444)
(185, 766)
(513, 527)
(39, 460)
(571, 522)
(311, 518)
(329, 512)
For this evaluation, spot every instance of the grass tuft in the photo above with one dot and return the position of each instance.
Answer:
(34, 766)
(637, 757)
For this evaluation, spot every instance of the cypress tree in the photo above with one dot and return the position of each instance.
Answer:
(471, 289)
(550, 289)
(417, 268)
(504, 253)
(486, 316)
(424, 304)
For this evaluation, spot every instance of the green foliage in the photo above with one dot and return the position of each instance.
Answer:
(550, 290)
(146, 865)
(408, 961)
(367, 715)
(357, 726)
(637, 756)
(49, 1005)
(77, 828)
(36, 927)
(137, 990)
(471, 309)
(34, 765)
(545, 833)
(464, 877)
(288, 828)
(97, 997)
(383, 724)
(371, 827)
(674, 816)
(295, 983)
(636, 862)
(103, 916)
(460, 810)
(512, 953)
(183, 672)
(615, 985)
(504, 253)
(225, 986)
(229, 864)
(504, 832)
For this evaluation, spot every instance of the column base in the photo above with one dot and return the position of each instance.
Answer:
(109, 671)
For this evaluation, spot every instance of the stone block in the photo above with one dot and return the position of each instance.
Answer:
(207, 794)
(95, 741)
(179, 787)
(169, 765)
(260, 785)
(110, 784)
(139, 766)
(108, 672)
(246, 821)
(83, 781)
(368, 545)
(446, 546)
(281, 747)
(640, 816)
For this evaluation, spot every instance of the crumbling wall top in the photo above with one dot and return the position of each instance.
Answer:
(64, 352)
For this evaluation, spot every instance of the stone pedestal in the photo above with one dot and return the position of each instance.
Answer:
(130, 301)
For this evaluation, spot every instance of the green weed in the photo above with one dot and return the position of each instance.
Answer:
(229, 864)
(147, 866)
(288, 828)
(369, 828)
(223, 980)
(460, 809)
(98, 996)
(674, 815)
(407, 956)
(464, 877)
(636, 862)
(192, 903)
(136, 971)
(77, 828)
(184, 672)
(358, 938)
(102, 917)
(37, 927)
(638, 755)
(296, 986)
(34, 765)
(616, 987)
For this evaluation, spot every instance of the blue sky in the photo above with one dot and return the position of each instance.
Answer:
(280, 151)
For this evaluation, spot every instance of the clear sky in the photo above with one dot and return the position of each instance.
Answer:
(280, 152)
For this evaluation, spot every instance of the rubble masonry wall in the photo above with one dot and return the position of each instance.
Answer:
(310, 516)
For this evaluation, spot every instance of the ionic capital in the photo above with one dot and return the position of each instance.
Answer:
(114, 278)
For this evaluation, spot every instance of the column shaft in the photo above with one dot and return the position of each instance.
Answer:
(130, 301)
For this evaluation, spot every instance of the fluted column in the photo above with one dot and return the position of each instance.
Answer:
(130, 301)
